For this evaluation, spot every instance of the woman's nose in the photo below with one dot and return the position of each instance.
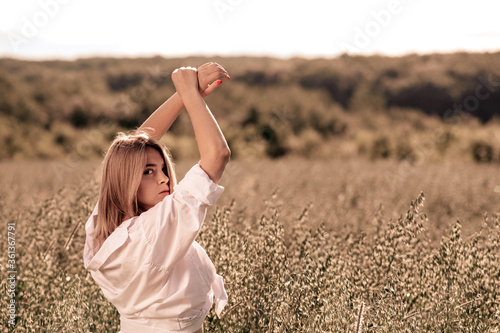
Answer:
(163, 179)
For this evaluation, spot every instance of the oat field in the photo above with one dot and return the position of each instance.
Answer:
(349, 245)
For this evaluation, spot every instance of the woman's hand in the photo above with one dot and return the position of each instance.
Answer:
(210, 76)
(185, 80)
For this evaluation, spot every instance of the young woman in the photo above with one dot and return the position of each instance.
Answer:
(140, 246)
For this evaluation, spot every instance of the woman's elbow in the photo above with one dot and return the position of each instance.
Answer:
(215, 163)
(224, 155)
(219, 156)
(227, 153)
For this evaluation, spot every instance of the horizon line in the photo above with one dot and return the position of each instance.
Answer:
(237, 55)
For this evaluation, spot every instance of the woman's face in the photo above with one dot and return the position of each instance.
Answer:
(155, 182)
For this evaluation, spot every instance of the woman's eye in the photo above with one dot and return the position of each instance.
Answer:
(148, 172)
(165, 171)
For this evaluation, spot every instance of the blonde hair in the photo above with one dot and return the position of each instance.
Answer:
(122, 172)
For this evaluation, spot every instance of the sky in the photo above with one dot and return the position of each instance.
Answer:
(70, 29)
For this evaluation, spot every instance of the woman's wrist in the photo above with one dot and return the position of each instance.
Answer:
(189, 93)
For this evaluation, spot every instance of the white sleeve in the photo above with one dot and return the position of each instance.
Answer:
(172, 225)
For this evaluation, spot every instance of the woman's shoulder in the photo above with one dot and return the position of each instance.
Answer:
(197, 183)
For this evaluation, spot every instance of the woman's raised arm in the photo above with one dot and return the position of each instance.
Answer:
(212, 145)
(160, 121)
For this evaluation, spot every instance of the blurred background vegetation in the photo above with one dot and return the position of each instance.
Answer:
(326, 156)
(432, 107)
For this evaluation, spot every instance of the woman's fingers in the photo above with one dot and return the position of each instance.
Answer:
(210, 72)
(212, 66)
(211, 87)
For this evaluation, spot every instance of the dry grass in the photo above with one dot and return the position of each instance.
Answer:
(303, 246)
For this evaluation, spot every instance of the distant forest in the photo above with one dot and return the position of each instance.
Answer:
(349, 105)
